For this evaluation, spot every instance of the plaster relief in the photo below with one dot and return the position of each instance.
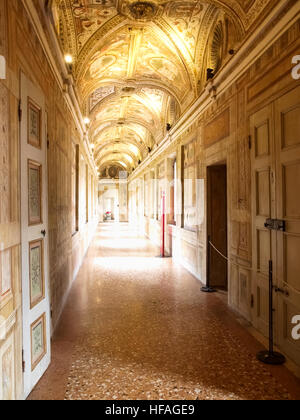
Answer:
(217, 130)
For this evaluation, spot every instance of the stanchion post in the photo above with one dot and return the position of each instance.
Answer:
(270, 357)
(207, 288)
(271, 320)
(163, 215)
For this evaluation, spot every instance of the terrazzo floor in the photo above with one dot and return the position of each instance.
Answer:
(137, 327)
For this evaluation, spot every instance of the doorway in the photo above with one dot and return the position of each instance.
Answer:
(217, 224)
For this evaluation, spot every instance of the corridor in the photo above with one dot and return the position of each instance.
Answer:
(136, 326)
(180, 118)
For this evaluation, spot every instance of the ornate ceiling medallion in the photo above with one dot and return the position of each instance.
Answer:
(113, 171)
(141, 10)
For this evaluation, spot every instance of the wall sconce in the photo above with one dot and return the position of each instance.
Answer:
(69, 62)
(210, 74)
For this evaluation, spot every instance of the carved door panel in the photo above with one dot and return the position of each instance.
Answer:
(34, 224)
(263, 199)
(287, 138)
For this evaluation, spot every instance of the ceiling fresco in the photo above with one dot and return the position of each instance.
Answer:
(138, 65)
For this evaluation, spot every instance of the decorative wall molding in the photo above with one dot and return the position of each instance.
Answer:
(7, 325)
(218, 129)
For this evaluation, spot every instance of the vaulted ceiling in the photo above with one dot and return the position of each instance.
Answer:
(138, 65)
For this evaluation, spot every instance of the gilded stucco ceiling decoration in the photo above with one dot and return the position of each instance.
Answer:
(98, 95)
(141, 10)
(132, 131)
(138, 64)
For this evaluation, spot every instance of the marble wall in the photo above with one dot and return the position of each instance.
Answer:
(23, 52)
(220, 135)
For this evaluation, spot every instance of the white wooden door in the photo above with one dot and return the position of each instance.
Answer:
(287, 140)
(34, 225)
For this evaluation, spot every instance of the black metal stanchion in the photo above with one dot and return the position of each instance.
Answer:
(207, 288)
(270, 357)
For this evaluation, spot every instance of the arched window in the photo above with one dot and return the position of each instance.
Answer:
(216, 49)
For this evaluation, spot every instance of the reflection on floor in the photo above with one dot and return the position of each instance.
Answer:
(137, 327)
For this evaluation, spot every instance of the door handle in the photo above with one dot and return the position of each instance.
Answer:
(284, 292)
(275, 224)
(43, 232)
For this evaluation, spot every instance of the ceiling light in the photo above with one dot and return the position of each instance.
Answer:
(86, 120)
(68, 59)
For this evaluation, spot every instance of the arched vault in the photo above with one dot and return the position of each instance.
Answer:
(134, 76)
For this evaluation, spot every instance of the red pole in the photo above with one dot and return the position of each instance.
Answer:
(163, 218)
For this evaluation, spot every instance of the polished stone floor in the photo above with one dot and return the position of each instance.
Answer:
(137, 327)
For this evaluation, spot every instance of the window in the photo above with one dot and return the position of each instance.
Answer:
(146, 196)
(152, 194)
(189, 176)
(87, 192)
(92, 197)
(82, 192)
(160, 188)
(75, 189)
(173, 195)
